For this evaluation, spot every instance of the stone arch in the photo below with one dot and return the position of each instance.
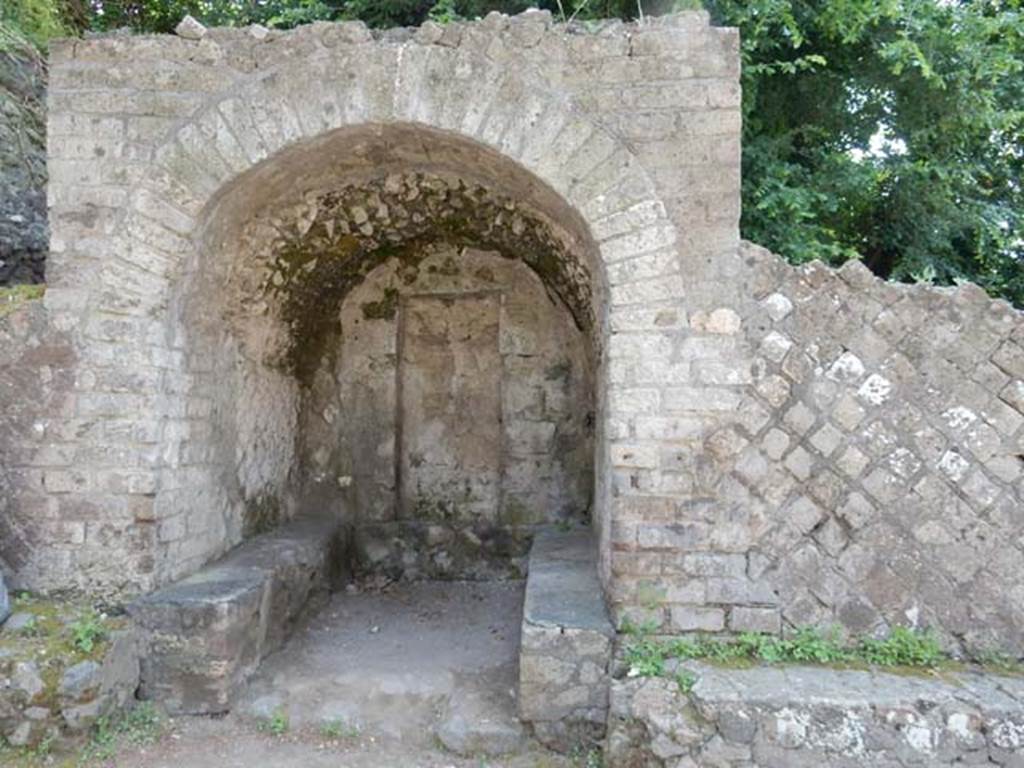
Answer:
(450, 90)
(544, 149)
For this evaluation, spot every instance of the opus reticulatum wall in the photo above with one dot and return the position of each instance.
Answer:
(770, 445)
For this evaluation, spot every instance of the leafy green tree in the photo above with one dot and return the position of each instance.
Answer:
(29, 22)
(889, 130)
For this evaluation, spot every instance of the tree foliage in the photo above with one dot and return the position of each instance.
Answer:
(889, 130)
(886, 130)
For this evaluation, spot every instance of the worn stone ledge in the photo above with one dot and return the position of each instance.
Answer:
(790, 717)
(206, 634)
(566, 642)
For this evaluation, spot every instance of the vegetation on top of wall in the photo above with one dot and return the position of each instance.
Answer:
(886, 130)
(25, 23)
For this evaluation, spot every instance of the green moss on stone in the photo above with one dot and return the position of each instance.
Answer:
(384, 309)
(13, 297)
(318, 266)
(516, 513)
(50, 642)
(559, 372)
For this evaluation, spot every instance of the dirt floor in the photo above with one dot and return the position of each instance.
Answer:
(419, 674)
(415, 662)
(230, 743)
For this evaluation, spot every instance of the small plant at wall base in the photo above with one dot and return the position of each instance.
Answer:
(142, 725)
(276, 725)
(649, 657)
(902, 648)
(88, 631)
(338, 729)
(583, 756)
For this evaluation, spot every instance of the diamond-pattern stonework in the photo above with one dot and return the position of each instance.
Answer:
(906, 457)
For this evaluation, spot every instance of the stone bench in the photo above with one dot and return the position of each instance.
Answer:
(205, 635)
(797, 717)
(566, 642)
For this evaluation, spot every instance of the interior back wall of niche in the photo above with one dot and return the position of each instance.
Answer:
(355, 424)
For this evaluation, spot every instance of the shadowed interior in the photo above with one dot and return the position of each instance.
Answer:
(397, 327)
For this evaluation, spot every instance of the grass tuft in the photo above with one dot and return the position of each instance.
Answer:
(13, 297)
(649, 657)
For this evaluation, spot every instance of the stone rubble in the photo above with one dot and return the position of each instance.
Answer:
(190, 28)
(38, 704)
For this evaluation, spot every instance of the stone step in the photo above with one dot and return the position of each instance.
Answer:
(418, 662)
(480, 723)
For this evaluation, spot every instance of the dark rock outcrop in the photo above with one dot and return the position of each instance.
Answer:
(24, 232)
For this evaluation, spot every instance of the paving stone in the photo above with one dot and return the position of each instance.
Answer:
(470, 727)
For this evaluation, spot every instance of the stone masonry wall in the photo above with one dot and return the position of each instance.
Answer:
(295, 304)
(37, 384)
(871, 472)
(775, 446)
(536, 442)
(150, 139)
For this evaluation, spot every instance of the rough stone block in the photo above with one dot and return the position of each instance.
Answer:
(695, 618)
(206, 634)
(747, 619)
